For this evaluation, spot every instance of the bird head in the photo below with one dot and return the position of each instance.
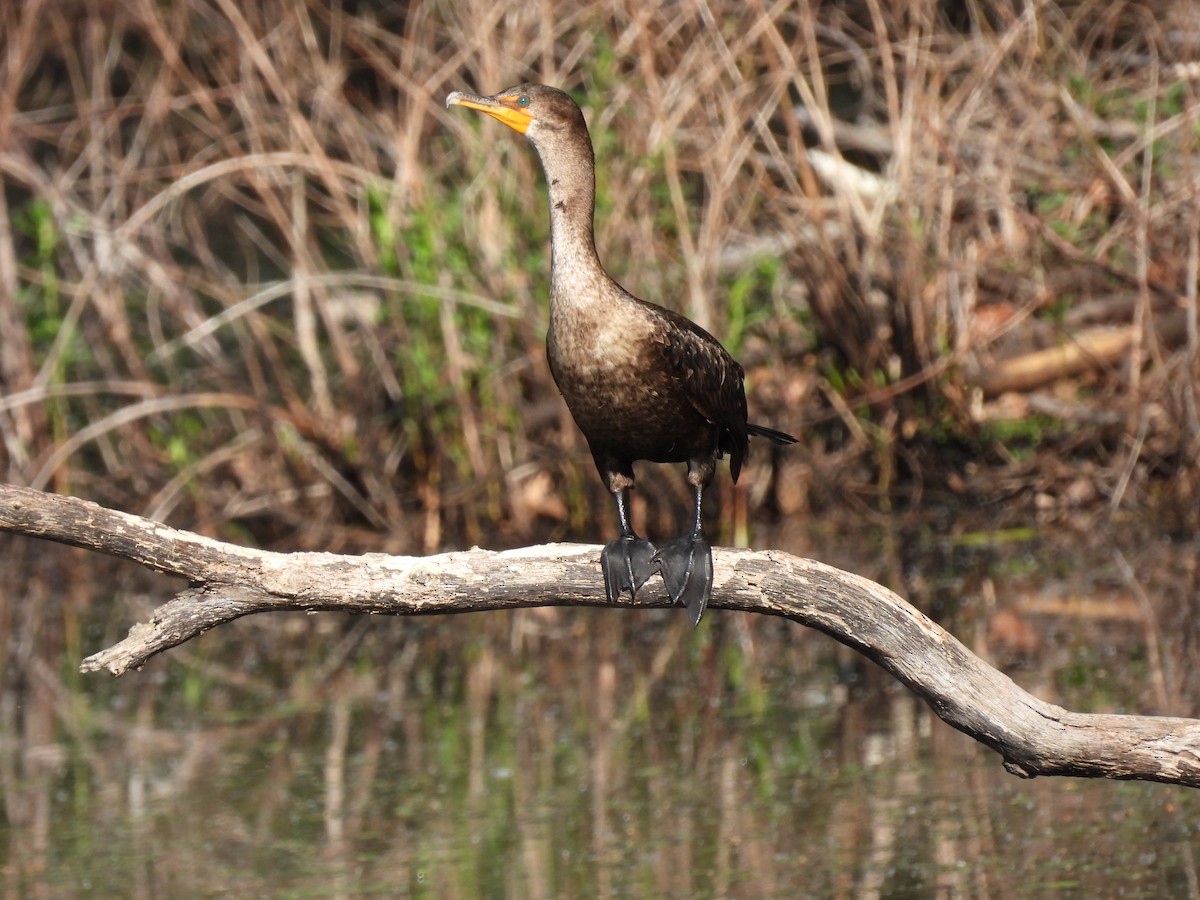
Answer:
(534, 110)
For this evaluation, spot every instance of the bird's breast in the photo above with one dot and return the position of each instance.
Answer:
(610, 370)
(594, 344)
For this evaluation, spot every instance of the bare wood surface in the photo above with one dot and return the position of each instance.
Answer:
(227, 581)
(1092, 348)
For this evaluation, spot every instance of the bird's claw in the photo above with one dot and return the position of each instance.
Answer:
(687, 571)
(627, 563)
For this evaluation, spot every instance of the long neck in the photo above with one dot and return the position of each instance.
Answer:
(571, 178)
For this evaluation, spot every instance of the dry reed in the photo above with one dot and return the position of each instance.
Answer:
(255, 281)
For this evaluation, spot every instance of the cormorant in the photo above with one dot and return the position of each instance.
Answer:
(641, 382)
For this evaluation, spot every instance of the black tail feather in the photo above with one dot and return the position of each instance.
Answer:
(779, 437)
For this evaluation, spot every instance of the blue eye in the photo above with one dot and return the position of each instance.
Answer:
(523, 101)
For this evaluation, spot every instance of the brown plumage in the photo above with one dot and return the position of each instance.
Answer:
(641, 382)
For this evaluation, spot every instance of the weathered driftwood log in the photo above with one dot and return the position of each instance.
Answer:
(227, 582)
(1091, 348)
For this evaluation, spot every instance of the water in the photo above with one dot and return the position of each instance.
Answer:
(573, 753)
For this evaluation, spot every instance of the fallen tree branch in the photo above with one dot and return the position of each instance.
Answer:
(228, 581)
(1092, 348)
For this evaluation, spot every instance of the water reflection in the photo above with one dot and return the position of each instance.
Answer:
(589, 753)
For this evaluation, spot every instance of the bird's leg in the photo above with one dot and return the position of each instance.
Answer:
(687, 568)
(629, 560)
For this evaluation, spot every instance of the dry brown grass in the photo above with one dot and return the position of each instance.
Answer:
(256, 281)
(255, 276)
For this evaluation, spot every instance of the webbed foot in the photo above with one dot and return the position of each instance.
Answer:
(627, 563)
(687, 570)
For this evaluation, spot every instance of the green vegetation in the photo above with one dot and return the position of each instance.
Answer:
(258, 283)
(411, 394)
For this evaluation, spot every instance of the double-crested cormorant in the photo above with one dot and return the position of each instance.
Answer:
(641, 381)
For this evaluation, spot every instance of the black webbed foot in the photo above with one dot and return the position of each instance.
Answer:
(627, 563)
(687, 570)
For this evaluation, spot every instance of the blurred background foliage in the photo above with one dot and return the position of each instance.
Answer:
(255, 281)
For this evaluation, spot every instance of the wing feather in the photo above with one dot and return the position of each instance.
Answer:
(713, 382)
